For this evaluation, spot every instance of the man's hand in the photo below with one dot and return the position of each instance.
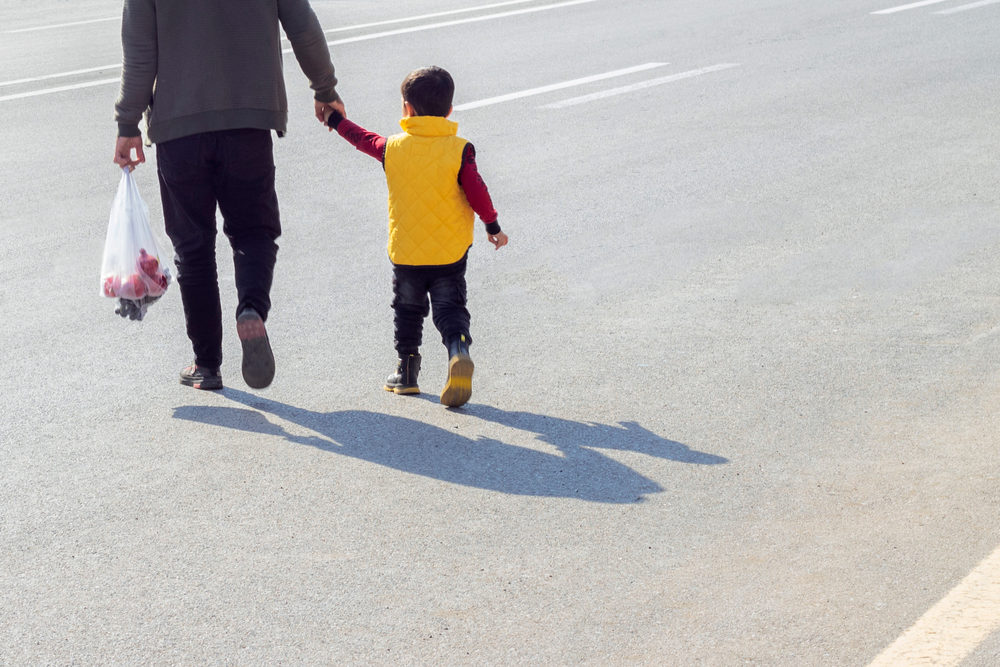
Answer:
(123, 152)
(499, 240)
(323, 110)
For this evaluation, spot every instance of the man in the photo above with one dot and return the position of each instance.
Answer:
(208, 76)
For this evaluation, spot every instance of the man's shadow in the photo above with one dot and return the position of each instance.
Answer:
(575, 471)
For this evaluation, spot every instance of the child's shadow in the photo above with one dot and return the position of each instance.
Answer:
(415, 447)
(569, 435)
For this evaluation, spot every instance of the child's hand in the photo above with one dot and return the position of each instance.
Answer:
(499, 240)
(325, 110)
(332, 119)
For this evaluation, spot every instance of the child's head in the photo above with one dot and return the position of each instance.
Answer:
(429, 91)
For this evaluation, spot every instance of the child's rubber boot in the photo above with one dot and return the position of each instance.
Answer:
(404, 381)
(458, 390)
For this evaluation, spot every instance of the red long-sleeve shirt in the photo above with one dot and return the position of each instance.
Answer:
(469, 179)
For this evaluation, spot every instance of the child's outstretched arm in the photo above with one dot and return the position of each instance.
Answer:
(479, 196)
(367, 142)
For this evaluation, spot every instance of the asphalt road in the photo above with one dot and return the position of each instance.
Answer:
(736, 372)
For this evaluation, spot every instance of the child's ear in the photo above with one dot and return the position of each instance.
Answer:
(450, 109)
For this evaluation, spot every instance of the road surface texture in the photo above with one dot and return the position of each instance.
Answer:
(736, 373)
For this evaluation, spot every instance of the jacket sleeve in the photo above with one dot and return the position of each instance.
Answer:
(138, 65)
(475, 190)
(309, 45)
(369, 143)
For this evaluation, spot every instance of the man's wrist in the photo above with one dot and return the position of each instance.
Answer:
(327, 96)
(129, 130)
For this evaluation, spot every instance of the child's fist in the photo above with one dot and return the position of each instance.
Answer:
(499, 239)
(324, 110)
(332, 117)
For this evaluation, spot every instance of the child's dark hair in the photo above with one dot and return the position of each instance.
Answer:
(429, 90)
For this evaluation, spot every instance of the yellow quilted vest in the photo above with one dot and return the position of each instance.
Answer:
(430, 220)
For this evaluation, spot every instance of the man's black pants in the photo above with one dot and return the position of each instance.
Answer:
(234, 170)
(445, 285)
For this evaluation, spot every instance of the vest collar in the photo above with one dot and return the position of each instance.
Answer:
(429, 126)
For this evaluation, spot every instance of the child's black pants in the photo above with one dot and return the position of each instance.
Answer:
(445, 287)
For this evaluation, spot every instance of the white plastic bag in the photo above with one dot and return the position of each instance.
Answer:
(132, 270)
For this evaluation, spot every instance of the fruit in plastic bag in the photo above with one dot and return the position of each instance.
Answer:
(137, 291)
(132, 287)
(111, 285)
(131, 270)
(147, 263)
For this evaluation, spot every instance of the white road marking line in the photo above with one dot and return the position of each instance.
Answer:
(583, 99)
(428, 16)
(555, 86)
(956, 625)
(445, 24)
(971, 5)
(61, 74)
(59, 89)
(912, 5)
(64, 25)
(349, 40)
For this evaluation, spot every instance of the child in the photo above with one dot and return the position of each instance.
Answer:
(435, 191)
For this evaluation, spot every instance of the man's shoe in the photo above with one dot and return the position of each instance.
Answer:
(258, 361)
(458, 390)
(201, 377)
(404, 381)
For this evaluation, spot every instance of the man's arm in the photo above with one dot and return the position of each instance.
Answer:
(309, 45)
(137, 78)
(367, 142)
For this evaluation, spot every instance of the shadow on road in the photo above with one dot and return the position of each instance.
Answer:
(576, 471)
(569, 435)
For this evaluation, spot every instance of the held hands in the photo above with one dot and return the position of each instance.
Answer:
(325, 109)
(123, 152)
(498, 240)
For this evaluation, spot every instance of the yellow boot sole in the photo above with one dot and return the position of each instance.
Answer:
(458, 389)
(403, 391)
